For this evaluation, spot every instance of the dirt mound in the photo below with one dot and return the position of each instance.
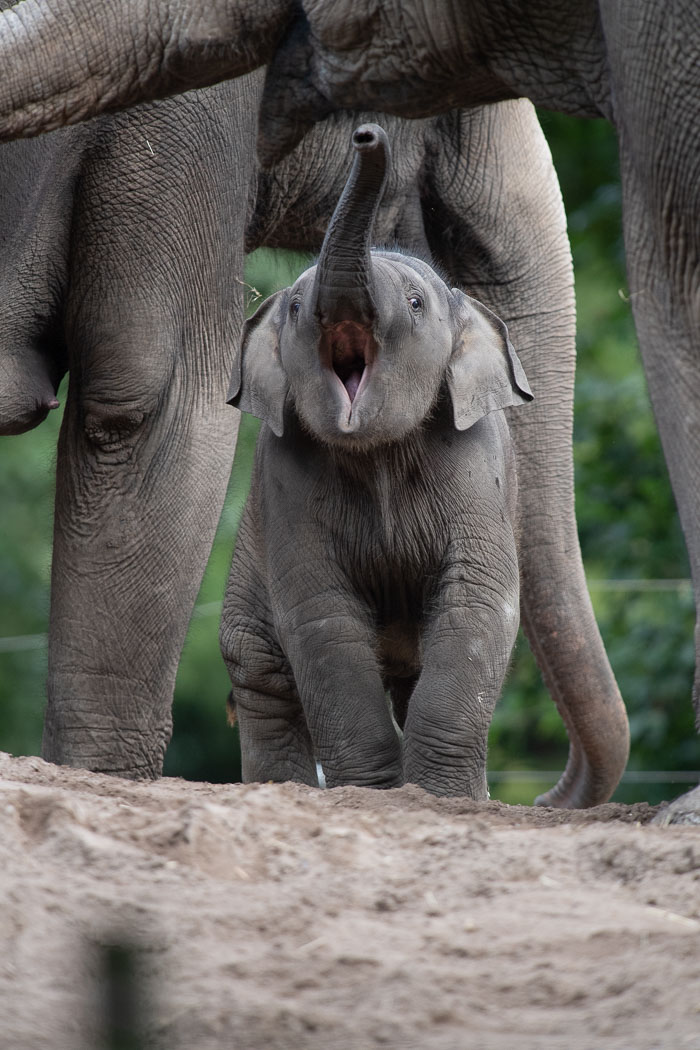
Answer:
(277, 916)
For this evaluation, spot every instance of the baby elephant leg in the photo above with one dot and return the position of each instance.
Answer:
(275, 741)
(341, 689)
(467, 647)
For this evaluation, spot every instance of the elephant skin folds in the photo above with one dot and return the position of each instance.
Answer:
(281, 916)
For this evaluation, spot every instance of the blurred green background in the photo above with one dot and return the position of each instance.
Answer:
(631, 539)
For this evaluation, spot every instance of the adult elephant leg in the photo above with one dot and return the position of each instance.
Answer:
(146, 447)
(661, 205)
(140, 485)
(499, 227)
(667, 319)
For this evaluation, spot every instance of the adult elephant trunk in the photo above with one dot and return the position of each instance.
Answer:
(343, 288)
(67, 61)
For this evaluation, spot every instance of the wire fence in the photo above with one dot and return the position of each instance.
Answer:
(23, 642)
(20, 643)
(26, 642)
(631, 776)
(683, 586)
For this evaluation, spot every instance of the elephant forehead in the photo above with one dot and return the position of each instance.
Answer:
(401, 275)
(394, 277)
(304, 282)
(412, 269)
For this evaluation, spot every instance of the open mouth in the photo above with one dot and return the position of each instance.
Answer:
(348, 349)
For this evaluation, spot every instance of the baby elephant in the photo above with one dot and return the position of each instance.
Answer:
(377, 550)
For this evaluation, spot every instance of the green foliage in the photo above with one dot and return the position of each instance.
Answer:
(26, 503)
(628, 526)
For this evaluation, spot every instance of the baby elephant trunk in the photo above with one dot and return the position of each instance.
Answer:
(343, 288)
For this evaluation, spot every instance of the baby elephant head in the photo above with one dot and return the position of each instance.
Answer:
(365, 341)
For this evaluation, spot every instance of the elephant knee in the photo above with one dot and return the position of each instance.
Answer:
(118, 411)
(111, 427)
(123, 366)
(254, 661)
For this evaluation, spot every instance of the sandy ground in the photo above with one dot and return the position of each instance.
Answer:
(276, 916)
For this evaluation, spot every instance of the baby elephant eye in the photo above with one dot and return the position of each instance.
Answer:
(294, 308)
(416, 303)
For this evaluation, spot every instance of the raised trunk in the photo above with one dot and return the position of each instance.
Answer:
(343, 288)
(73, 60)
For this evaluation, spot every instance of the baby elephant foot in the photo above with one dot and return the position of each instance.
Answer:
(684, 810)
(379, 768)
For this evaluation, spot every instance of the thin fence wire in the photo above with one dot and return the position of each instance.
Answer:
(640, 585)
(20, 643)
(28, 642)
(25, 642)
(631, 776)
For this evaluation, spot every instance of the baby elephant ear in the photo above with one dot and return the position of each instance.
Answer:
(259, 383)
(484, 372)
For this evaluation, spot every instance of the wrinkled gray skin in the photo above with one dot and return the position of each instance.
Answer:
(110, 267)
(634, 64)
(146, 445)
(378, 547)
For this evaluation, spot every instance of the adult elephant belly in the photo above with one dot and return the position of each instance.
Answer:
(296, 198)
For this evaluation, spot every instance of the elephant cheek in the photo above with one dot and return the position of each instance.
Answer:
(318, 405)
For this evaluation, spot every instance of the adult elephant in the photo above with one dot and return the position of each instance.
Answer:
(147, 316)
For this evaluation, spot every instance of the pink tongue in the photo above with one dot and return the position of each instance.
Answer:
(352, 383)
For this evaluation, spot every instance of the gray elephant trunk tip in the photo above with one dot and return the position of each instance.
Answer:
(368, 137)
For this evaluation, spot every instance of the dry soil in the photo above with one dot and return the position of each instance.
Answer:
(277, 917)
